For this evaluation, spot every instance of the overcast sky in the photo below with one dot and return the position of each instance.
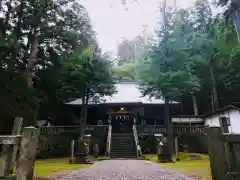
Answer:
(113, 21)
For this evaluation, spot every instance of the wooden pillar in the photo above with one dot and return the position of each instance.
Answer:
(216, 152)
(27, 154)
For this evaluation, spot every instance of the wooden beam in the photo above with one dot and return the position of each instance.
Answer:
(10, 140)
(230, 138)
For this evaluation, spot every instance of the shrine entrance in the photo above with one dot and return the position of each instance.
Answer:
(122, 122)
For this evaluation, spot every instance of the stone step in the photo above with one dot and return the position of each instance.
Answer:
(124, 137)
(123, 146)
(123, 156)
(122, 142)
(122, 134)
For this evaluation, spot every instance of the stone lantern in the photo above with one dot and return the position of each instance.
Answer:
(82, 150)
(163, 155)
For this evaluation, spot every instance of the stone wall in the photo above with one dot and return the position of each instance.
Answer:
(58, 145)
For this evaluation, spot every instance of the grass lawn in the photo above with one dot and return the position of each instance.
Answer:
(48, 167)
(200, 169)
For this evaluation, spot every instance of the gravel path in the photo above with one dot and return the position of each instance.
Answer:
(123, 170)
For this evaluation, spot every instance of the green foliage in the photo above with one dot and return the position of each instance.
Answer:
(63, 63)
(194, 52)
(166, 73)
(125, 71)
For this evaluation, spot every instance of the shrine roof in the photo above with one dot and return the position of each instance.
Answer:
(126, 92)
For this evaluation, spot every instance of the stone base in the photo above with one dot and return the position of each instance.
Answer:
(141, 158)
(81, 158)
(164, 158)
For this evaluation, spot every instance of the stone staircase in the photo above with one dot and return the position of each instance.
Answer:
(123, 146)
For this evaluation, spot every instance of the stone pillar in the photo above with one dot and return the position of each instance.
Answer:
(176, 148)
(87, 139)
(71, 152)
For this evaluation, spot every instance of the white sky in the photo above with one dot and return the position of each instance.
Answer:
(112, 22)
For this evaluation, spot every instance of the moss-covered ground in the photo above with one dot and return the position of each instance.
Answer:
(48, 167)
(199, 169)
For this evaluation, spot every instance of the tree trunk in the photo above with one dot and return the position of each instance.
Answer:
(169, 128)
(17, 30)
(214, 89)
(82, 115)
(195, 106)
(85, 110)
(33, 56)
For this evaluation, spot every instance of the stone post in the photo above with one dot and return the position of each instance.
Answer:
(27, 154)
(176, 148)
(17, 128)
(87, 139)
(71, 152)
(9, 151)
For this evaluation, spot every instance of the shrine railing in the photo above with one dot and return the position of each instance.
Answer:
(137, 144)
(51, 130)
(176, 129)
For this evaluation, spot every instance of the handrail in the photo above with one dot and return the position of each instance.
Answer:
(108, 145)
(138, 147)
